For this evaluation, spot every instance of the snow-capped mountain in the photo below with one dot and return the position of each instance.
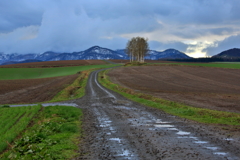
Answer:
(167, 54)
(94, 52)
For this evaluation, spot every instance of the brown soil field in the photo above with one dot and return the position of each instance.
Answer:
(147, 61)
(213, 88)
(32, 90)
(47, 64)
(119, 60)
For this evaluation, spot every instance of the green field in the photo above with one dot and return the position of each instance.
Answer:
(219, 65)
(39, 132)
(13, 121)
(34, 73)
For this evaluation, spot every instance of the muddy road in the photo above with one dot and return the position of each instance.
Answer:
(117, 128)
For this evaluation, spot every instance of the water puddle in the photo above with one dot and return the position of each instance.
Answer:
(228, 139)
(173, 129)
(164, 126)
(160, 121)
(115, 139)
(195, 138)
(200, 142)
(220, 153)
(182, 133)
(123, 107)
(212, 148)
(125, 153)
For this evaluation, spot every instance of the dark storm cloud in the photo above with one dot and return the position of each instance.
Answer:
(63, 25)
(15, 14)
(163, 46)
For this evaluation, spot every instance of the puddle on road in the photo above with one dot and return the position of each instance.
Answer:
(115, 139)
(212, 148)
(228, 139)
(125, 153)
(195, 138)
(164, 126)
(182, 133)
(118, 148)
(173, 129)
(220, 153)
(200, 142)
(123, 107)
(155, 125)
(160, 121)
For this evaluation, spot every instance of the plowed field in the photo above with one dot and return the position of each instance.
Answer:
(54, 64)
(32, 90)
(214, 88)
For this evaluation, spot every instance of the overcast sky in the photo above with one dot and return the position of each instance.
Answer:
(197, 27)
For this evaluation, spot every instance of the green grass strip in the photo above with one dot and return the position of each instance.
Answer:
(34, 73)
(197, 114)
(54, 135)
(75, 90)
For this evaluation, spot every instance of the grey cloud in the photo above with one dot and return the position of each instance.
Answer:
(228, 43)
(61, 25)
(163, 46)
(15, 14)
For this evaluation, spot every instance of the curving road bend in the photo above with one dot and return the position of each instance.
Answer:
(117, 128)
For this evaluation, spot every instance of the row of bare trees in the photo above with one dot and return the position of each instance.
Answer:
(137, 49)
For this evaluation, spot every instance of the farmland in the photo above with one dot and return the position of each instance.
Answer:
(33, 90)
(49, 135)
(34, 73)
(32, 85)
(213, 88)
(13, 121)
(49, 64)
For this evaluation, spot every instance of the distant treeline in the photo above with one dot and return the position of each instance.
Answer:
(205, 60)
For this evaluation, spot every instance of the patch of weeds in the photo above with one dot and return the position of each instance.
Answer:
(5, 106)
(75, 90)
(135, 63)
(52, 137)
(174, 108)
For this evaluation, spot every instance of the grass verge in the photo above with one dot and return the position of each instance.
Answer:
(53, 135)
(75, 90)
(197, 114)
(34, 73)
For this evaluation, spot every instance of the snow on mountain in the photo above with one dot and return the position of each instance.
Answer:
(94, 52)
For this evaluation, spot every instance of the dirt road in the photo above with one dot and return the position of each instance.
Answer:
(117, 128)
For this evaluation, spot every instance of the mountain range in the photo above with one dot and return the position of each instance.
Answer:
(94, 52)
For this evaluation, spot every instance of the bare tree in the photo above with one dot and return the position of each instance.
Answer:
(137, 49)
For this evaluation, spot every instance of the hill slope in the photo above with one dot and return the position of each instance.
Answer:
(231, 53)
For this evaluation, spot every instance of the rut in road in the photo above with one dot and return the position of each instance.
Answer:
(117, 128)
